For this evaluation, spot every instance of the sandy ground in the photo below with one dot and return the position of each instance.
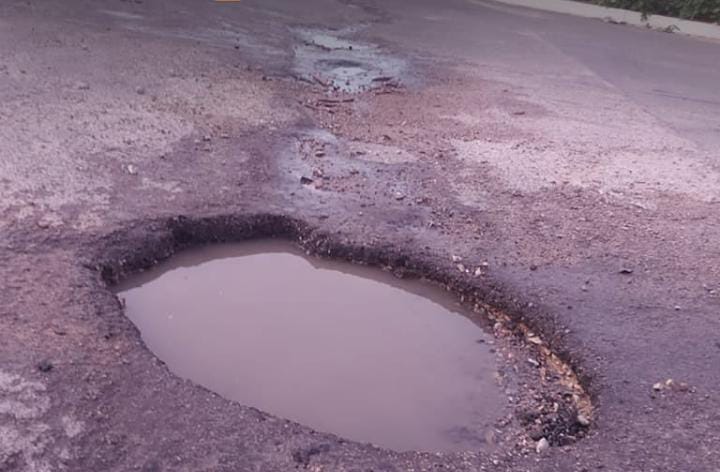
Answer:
(570, 164)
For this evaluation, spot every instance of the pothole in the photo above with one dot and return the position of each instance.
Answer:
(342, 348)
(345, 65)
(544, 390)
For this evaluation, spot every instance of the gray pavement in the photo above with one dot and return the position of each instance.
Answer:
(555, 149)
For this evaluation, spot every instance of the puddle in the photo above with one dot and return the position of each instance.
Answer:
(341, 348)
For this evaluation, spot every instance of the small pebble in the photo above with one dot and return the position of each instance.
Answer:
(583, 420)
(542, 446)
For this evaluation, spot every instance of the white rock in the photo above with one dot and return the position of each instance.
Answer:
(534, 340)
(542, 446)
(583, 420)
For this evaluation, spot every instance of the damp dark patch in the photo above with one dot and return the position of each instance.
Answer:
(336, 63)
(549, 395)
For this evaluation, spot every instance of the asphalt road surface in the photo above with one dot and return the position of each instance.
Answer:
(573, 162)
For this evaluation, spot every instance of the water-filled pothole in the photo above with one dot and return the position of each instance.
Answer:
(341, 348)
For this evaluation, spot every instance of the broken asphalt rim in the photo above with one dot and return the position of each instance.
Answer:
(142, 244)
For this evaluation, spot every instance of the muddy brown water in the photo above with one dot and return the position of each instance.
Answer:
(338, 347)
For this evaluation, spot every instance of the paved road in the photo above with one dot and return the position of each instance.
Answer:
(577, 159)
(673, 78)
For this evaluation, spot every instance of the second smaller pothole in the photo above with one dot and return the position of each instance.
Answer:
(342, 64)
